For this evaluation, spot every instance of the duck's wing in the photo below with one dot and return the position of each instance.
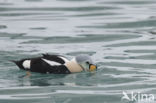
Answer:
(43, 65)
(55, 58)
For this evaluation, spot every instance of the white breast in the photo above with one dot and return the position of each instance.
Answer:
(52, 63)
(26, 64)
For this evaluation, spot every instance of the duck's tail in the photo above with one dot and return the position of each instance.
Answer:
(14, 61)
(18, 63)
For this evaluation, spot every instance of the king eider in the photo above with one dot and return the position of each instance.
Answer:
(57, 64)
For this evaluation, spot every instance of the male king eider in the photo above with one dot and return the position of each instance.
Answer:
(57, 64)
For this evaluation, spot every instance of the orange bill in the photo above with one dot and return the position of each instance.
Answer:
(92, 67)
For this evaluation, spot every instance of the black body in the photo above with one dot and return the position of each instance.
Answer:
(41, 66)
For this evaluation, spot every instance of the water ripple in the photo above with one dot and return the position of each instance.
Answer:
(119, 35)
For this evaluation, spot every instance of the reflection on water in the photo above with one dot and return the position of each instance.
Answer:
(56, 80)
(120, 36)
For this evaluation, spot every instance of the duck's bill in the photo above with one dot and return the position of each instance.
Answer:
(92, 67)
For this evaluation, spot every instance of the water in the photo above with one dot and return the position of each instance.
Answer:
(119, 35)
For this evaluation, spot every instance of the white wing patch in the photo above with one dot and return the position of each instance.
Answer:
(52, 63)
(63, 58)
(26, 64)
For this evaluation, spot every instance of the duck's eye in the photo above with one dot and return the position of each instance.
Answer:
(87, 62)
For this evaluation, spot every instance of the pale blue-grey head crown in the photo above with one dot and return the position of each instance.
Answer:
(83, 58)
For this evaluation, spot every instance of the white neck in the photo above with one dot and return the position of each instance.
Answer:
(73, 66)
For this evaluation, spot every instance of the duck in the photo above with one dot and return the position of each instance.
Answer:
(57, 64)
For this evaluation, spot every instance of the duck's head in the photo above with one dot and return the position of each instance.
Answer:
(86, 62)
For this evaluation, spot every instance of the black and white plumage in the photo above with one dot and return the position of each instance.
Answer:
(56, 64)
